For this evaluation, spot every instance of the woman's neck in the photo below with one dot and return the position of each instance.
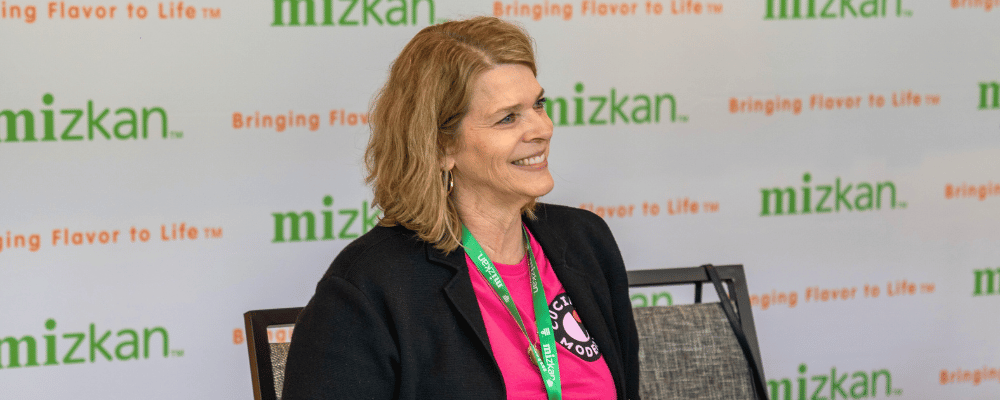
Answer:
(497, 228)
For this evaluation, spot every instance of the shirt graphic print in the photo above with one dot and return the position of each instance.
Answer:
(569, 330)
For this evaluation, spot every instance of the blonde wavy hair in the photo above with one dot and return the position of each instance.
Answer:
(415, 119)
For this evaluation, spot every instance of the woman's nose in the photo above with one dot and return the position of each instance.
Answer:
(541, 127)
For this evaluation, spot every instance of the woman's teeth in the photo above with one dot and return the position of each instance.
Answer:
(531, 160)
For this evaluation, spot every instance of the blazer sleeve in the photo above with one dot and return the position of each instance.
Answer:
(341, 348)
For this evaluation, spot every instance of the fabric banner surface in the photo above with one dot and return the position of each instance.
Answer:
(169, 165)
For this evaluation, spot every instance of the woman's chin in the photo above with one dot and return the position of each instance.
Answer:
(541, 190)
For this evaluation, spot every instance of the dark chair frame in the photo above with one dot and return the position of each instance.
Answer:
(259, 347)
(731, 275)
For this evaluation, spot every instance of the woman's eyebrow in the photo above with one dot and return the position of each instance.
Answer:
(515, 107)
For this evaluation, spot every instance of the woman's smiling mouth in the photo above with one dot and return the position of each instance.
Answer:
(530, 160)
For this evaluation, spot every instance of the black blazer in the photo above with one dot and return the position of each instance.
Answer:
(395, 318)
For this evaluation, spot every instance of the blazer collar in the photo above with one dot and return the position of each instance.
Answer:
(461, 295)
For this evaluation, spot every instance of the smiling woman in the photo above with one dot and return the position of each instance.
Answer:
(499, 163)
(468, 288)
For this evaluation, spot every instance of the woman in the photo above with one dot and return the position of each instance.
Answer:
(457, 157)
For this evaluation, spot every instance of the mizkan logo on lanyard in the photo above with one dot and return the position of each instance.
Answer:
(547, 361)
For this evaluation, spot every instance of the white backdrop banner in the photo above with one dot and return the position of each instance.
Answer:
(167, 166)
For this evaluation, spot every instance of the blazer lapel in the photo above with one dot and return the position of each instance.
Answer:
(461, 295)
(596, 318)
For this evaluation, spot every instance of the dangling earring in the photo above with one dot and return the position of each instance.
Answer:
(449, 181)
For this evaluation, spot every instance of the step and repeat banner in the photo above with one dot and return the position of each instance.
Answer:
(167, 166)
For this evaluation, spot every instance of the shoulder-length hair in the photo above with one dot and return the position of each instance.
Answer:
(416, 115)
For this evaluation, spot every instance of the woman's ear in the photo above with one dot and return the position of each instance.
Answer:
(447, 162)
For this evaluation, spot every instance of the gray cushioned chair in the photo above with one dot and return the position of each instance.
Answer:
(267, 360)
(692, 351)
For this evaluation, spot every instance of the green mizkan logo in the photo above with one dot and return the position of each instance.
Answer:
(613, 108)
(989, 95)
(87, 346)
(845, 385)
(836, 197)
(987, 282)
(301, 226)
(353, 12)
(830, 9)
(89, 123)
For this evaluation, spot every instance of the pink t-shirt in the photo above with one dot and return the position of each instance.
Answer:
(583, 372)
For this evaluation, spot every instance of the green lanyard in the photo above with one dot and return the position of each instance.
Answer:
(547, 362)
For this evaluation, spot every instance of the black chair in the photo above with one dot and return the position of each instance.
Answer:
(701, 350)
(267, 360)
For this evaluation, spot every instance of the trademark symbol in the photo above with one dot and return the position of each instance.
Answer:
(902, 204)
(176, 134)
(177, 353)
(897, 392)
(907, 13)
(682, 118)
(213, 233)
(211, 13)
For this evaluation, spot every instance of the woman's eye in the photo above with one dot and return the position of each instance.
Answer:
(540, 104)
(510, 118)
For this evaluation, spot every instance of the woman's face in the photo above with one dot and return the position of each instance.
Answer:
(503, 142)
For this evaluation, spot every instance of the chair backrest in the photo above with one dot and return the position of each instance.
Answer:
(691, 351)
(267, 360)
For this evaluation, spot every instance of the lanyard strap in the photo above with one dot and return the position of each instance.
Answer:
(547, 362)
